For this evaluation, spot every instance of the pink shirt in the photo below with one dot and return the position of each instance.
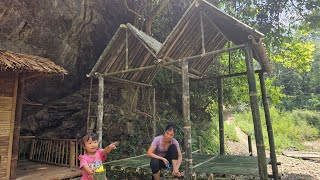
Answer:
(160, 151)
(92, 161)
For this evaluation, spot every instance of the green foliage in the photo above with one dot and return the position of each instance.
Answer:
(296, 55)
(290, 128)
(311, 117)
(211, 137)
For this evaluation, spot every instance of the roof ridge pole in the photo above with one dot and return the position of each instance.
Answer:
(100, 109)
(269, 127)
(261, 152)
(187, 122)
(202, 34)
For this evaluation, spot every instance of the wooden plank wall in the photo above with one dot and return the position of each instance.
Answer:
(8, 94)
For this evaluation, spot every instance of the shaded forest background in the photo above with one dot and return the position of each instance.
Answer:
(74, 33)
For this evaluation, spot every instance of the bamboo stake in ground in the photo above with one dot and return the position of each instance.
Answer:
(187, 123)
(220, 108)
(269, 127)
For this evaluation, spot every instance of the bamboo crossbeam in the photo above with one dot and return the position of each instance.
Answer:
(129, 82)
(215, 52)
(175, 69)
(163, 63)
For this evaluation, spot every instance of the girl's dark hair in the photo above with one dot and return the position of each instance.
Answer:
(170, 127)
(86, 137)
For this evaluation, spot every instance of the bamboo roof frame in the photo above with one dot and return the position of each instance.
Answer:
(134, 56)
(200, 35)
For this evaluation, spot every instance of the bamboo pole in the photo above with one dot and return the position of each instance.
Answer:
(16, 130)
(154, 127)
(72, 154)
(89, 106)
(164, 63)
(142, 42)
(269, 127)
(127, 49)
(100, 110)
(33, 143)
(250, 145)
(215, 52)
(202, 34)
(220, 108)
(187, 122)
(129, 82)
(256, 114)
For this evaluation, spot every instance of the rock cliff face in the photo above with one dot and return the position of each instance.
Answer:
(73, 34)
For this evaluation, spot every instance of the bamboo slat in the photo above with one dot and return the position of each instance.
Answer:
(6, 103)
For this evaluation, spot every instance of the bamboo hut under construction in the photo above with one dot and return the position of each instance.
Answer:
(15, 69)
(194, 44)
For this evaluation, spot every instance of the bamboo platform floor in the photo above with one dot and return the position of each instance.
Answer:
(204, 166)
(29, 170)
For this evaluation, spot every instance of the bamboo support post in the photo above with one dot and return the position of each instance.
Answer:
(220, 108)
(89, 105)
(256, 114)
(100, 110)
(16, 130)
(200, 144)
(269, 127)
(187, 122)
(154, 127)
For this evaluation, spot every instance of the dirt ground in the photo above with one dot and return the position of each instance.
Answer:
(290, 168)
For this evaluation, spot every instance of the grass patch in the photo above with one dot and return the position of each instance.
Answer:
(230, 132)
(290, 128)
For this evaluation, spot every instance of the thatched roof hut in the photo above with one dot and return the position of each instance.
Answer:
(15, 68)
(16, 62)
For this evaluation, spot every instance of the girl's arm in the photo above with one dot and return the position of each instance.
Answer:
(107, 149)
(88, 170)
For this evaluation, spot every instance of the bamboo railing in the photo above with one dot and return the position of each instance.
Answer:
(61, 152)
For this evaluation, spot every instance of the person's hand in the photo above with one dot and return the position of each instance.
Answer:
(176, 173)
(113, 146)
(165, 161)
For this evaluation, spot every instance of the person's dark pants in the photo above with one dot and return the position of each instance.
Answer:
(157, 164)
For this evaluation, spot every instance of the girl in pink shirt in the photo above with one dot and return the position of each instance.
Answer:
(91, 161)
